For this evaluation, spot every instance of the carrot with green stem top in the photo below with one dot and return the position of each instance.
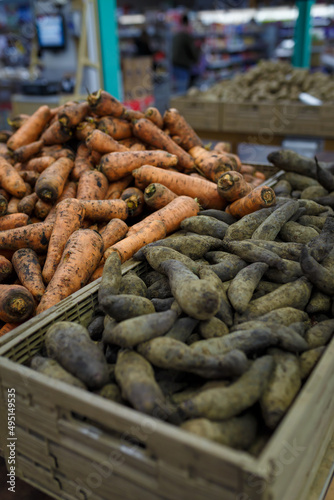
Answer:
(15, 122)
(56, 133)
(154, 115)
(51, 182)
(151, 134)
(104, 210)
(72, 115)
(134, 199)
(117, 165)
(16, 303)
(212, 164)
(115, 127)
(231, 186)
(29, 272)
(116, 188)
(10, 179)
(92, 185)
(178, 126)
(103, 143)
(85, 128)
(171, 214)
(70, 214)
(81, 256)
(260, 197)
(102, 103)
(154, 230)
(158, 196)
(31, 129)
(181, 184)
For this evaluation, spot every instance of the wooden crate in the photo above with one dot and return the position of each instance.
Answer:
(200, 114)
(74, 444)
(266, 120)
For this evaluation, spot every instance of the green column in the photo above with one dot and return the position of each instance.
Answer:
(109, 48)
(302, 51)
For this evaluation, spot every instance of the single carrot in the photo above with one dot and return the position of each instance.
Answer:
(115, 127)
(210, 163)
(133, 144)
(69, 216)
(92, 185)
(116, 188)
(154, 115)
(171, 214)
(12, 205)
(26, 205)
(151, 134)
(72, 115)
(94, 158)
(10, 179)
(157, 195)
(3, 205)
(42, 209)
(260, 197)
(154, 230)
(103, 143)
(96, 274)
(132, 114)
(70, 191)
(7, 327)
(104, 210)
(259, 175)
(29, 176)
(26, 152)
(231, 186)
(6, 268)
(177, 125)
(82, 162)
(236, 159)
(31, 129)
(16, 303)
(181, 184)
(56, 133)
(247, 169)
(102, 103)
(58, 109)
(134, 198)
(222, 147)
(40, 164)
(17, 121)
(118, 165)
(29, 272)
(85, 128)
(80, 258)
(51, 181)
(35, 236)
(11, 221)
(114, 231)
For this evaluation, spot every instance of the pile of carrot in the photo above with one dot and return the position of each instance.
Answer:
(86, 179)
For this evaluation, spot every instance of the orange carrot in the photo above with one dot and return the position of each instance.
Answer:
(96, 274)
(154, 230)
(6, 268)
(102, 103)
(11, 221)
(222, 147)
(181, 184)
(26, 152)
(104, 210)
(57, 151)
(94, 158)
(171, 214)
(42, 209)
(85, 128)
(210, 163)
(3, 205)
(157, 195)
(7, 327)
(133, 144)
(10, 179)
(82, 162)
(81, 256)
(114, 231)
(69, 216)
(234, 158)
(72, 115)
(12, 205)
(247, 169)
(26, 205)
(132, 114)
(70, 191)
(134, 198)
(40, 164)
(29, 176)
(35, 236)
(259, 175)
(118, 165)
(231, 186)
(151, 134)
(56, 133)
(31, 128)
(103, 143)
(154, 115)
(177, 125)
(260, 197)
(16, 303)
(115, 127)
(51, 181)
(29, 272)
(92, 185)
(116, 188)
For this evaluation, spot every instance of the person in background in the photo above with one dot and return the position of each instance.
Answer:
(143, 44)
(184, 56)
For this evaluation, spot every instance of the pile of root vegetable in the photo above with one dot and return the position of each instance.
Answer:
(270, 81)
(86, 179)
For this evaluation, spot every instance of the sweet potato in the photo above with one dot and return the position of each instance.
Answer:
(309, 359)
(205, 225)
(123, 306)
(242, 287)
(292, 231)
(51, 368)
(321, 277)
(132, 284)
(320, 334)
